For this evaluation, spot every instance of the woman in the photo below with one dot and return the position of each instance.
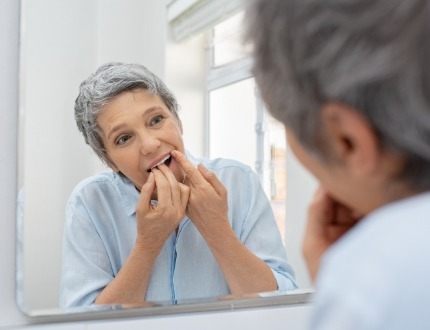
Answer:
(350, 81)
(157, 227)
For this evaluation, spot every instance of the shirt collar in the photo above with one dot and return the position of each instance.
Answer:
(128, 193)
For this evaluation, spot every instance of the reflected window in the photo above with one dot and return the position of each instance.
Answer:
(215, 74)
(239, 126)
(232, 117)
(277, 169)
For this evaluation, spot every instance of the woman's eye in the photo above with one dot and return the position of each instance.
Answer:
(156, 120)
(122, 139)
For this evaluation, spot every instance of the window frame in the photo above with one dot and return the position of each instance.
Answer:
(223, 76)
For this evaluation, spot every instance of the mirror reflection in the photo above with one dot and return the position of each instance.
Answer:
(160, 224)
(180, 193)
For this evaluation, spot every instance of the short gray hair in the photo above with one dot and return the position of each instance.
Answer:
(370, 54)
(110, 80)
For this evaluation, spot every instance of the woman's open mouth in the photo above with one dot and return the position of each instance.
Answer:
(166, 160)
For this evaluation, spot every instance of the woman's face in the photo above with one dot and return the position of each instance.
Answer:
(139, 132)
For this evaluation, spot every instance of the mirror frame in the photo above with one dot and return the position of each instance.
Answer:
(107, 312)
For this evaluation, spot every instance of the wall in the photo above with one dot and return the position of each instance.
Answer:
(9, 33)
(57, 54)
(185, 74)
(132, 31)
(64, 41)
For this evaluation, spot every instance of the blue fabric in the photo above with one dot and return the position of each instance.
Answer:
(100, 232)
(378, 275)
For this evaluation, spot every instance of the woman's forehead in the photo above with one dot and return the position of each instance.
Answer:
(135, 100)
(127, 106)
(137, 95)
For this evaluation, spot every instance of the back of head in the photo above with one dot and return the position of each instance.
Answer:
(369, 54)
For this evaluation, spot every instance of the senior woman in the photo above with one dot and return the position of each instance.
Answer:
(350, 81)
(156, 227)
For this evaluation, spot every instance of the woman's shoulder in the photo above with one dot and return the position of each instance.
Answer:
(102, 182)
(222, 164)
(235, 175)
(105, 176)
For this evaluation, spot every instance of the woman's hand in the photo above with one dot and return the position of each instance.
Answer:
(328, 220)
(208, 209)
(154, 225)
(156, 222)
(207, 204)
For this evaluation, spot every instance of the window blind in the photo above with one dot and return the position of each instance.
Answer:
(189, 17)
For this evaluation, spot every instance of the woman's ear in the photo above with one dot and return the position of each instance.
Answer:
(350, 138)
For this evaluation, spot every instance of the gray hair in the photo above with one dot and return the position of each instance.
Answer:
(110, 80)
(370, 54)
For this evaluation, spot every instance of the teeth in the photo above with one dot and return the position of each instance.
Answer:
(161, 161)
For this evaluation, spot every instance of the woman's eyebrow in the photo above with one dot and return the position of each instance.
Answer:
(115, 129)
(151, 110)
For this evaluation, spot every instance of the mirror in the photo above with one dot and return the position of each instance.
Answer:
(62, 42)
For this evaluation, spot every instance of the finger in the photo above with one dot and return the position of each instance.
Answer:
(163, 188)
(174, 186)
(185, 195)
(193, 176)
(212, 179)
(146, 192)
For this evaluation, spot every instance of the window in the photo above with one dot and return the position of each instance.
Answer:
(231, 122)
(239, 126)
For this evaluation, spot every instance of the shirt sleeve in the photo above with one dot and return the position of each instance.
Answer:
(86, 268)
(374, 277)
(260, 233)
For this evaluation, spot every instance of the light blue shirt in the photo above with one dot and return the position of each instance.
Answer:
(100, 232)
(378, 275)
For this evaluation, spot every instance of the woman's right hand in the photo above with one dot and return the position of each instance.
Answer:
(328, 220)
(154, 225)
(156, 222)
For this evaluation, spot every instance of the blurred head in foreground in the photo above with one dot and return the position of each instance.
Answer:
(350, 80)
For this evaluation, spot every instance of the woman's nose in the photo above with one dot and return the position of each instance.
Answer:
(149, 144)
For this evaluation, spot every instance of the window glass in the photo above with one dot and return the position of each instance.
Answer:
(232, 116)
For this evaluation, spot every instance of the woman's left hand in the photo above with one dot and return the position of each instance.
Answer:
(207, 204)
(208, 210)
(328, 220)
